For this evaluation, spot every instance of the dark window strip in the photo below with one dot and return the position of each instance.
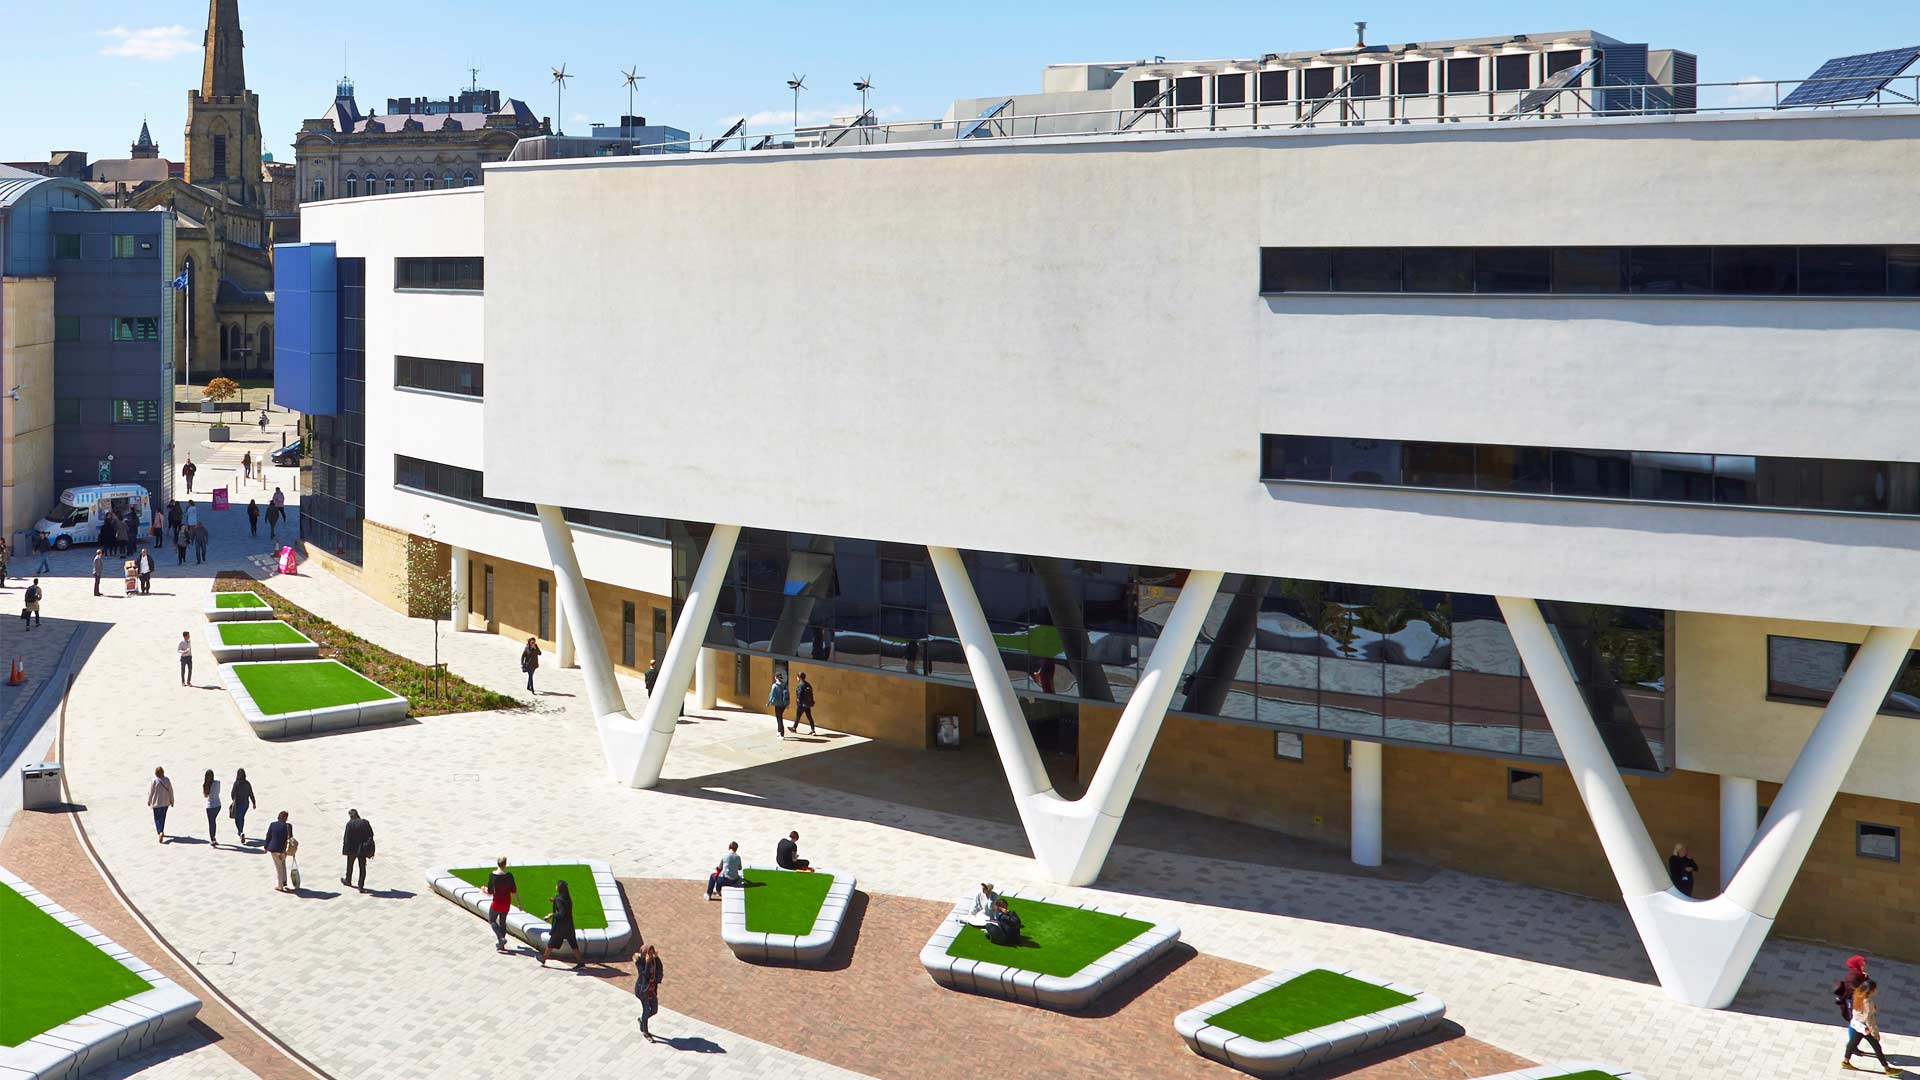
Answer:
(440, 376)
(1735, 480)
(1808, 671)
(1813, 270)
(467, 274)
(469, 486)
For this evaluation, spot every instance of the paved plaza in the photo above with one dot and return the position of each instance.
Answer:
(396, 982)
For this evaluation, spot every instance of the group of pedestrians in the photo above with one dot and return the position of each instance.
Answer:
(118, 531)
(728, 872)
(276, 510)
(503, 890)
(1856, 995)
(356, 842)
(801, 698)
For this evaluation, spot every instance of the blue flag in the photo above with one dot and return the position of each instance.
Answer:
(181, 281)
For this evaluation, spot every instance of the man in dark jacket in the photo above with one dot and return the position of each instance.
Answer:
(647, 973)
(357, 846)
(803, 706)
(278, 834)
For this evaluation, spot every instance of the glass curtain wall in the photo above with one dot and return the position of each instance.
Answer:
(331, 514)
(1358, 661)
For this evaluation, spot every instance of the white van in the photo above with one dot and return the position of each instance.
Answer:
(76, 520)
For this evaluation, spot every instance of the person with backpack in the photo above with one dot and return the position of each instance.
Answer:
(30, 613)
(253, 517)
(777, 698)
(803, 706)
(647, 973)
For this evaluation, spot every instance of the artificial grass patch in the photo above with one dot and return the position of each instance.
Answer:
(49, 974)
(1054, 939)
(784, 901)
(1585, 1074)
(258, 633)
(535, 890)
(425, 694)
(237, 600)
(1314, 999)
(300, 685)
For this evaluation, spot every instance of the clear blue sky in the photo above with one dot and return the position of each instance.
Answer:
(81, 76)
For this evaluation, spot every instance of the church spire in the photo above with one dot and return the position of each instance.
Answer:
(143, 146)
(222, 73)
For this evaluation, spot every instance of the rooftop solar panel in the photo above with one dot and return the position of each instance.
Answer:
(1850, 78)
(1539, 96)
(980, 122)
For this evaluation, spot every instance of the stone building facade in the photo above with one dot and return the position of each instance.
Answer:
(421, 144)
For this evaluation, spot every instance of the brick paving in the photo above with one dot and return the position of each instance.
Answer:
(874, 1010)
(399, 983)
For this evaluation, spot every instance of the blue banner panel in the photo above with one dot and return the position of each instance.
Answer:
(306, 322)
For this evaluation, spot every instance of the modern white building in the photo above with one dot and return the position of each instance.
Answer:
(1523, 497)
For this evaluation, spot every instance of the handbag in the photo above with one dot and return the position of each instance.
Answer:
(294, 875)
(366, 849)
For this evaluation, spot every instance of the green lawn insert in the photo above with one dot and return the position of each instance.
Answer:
(49, 974)
(1585, 1074)
(298, 686)
(535, 885)
(237, 600)
(1054, 939)
(1311, 1000)
(784, 901)
(258, 633)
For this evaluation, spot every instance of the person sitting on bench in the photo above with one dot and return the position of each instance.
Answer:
(786, 855)
(982, 905)
(726, 873)
(1003, 926)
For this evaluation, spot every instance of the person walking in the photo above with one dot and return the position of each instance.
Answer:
(1865, 1024)
(803, 706)
(185, 649)
(99, 561)
(561, 930)
(246, 465)
(777, 698)
(647, 973)
(174, 516)
(5, 553)
(42, 545)
(187, 471)
(253, 517)
(199, 543)
(129, 525)
(1855, 977)
(180, 537)
(191, 516)
(1681, 868)
(530, 662)
(211, 789)
(160, 799)
(144, 564)
(263, 420)
(278, 834)
(241, 799)
(651, 675)
(501, 888)
(157, 528)
(357, 845)
(30, 612)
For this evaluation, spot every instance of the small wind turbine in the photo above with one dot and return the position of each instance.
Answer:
(865, 86)
(796, 84)
(633, 81)
(560, 78)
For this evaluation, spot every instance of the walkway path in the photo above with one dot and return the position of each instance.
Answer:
(397, 982)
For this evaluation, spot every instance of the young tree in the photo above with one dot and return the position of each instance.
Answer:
(220, 389)
(427, 590)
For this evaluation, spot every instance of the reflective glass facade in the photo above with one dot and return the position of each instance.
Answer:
(1808, 671)
(1394, 665)
(331, 512)
(1825, 270)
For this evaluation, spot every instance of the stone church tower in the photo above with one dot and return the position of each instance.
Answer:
(223, 116)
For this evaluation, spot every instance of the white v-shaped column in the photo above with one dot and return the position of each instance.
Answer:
(635, 750)
(1071, 839)
(1701, 949)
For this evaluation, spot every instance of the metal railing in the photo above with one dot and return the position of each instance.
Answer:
(1341, 109)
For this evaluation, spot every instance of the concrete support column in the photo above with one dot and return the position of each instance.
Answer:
(683, 651)
(603, 691)
(1367, 812)
(706, 680)
(459, 613)
(563, 644)
(1739, 820)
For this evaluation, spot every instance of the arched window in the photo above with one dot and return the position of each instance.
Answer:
(449, 178)
(390, 183)
(353, 185)
(426, 181)
(265, 357)
(406, 182)
(469, 180)
(319, 190)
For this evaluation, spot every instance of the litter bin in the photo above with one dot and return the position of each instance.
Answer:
(40, 786)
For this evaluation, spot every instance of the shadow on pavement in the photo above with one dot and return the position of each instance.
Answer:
(695, 1044)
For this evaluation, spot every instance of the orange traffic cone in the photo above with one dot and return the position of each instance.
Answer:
(19, 673)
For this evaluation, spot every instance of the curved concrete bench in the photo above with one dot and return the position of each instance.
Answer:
(214, 613)
(1277, 1057)
(793, 949)
(612, 942)
(304, 649)
(387, 710)
(124, 1029)
(1556, 1070)
(1069, 993)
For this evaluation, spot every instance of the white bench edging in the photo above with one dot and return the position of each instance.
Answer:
(1564, 1068)
(214, 613)
(1343, 1038)
(126, 1028)
(1069, 993)
(304, 649)
(793, 949)
(385, 710)
(612, 942)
